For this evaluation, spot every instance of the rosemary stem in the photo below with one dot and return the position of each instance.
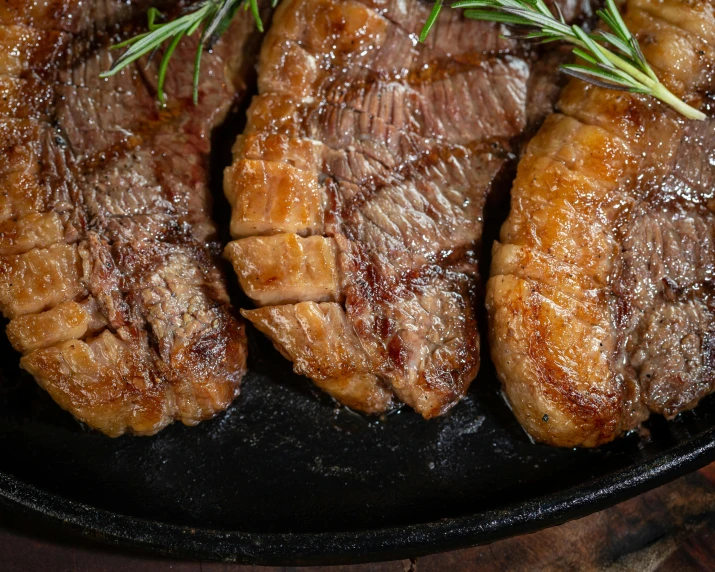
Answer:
(631, 70)
(625, 68)
(657, 89)
(662, 93)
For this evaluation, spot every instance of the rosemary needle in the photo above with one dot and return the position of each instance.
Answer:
(211, 16)
(623, 68)
(612, 59)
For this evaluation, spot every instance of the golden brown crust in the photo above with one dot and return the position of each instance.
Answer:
(322, 345)
(558, 322)
(107, 256)
(387, 148)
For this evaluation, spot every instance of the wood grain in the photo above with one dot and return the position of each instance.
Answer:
(671, 528)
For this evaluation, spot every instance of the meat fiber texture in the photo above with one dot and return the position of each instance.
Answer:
(358, 190)
(601, 290)
(108, 269)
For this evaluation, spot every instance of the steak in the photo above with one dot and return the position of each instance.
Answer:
(601, 290)
(358, 190)
(108, 268)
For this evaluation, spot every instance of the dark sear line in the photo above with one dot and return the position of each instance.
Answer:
(108, 269)
(358, 188)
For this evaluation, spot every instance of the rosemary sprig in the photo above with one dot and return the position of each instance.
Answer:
(212, 16)
(624, 67)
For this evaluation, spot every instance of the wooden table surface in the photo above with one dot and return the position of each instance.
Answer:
(671, 528)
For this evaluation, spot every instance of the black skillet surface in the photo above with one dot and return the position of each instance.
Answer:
(285, 477)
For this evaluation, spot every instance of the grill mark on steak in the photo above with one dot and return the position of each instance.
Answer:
(366, 161)
(403, 145)
(121, 310)
(600, 299)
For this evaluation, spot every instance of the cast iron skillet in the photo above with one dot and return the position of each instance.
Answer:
(285, 478)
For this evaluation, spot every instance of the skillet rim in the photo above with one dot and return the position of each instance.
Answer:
(348, 547)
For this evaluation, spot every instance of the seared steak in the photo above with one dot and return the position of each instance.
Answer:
(601, 296)
(358, 189)
(107, 266)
